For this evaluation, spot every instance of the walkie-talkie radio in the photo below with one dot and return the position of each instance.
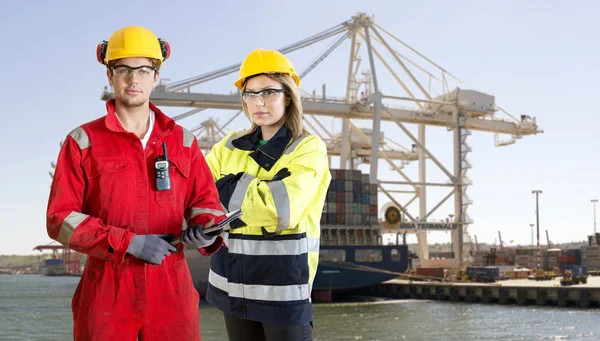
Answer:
(161, 166)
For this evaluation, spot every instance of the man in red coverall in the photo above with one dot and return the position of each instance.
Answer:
(112, 200)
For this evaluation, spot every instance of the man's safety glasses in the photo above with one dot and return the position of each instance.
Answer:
(124, 71)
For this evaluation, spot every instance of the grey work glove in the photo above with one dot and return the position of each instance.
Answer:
(150, 248)
(194, 237)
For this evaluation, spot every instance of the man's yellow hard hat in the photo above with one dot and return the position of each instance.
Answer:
(130, 42)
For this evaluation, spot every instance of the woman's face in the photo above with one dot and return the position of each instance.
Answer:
(266, 101)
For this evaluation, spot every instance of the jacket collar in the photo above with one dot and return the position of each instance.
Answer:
(265, 156)
(164, 125)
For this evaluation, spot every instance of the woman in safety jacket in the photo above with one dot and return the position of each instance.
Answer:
(278, 175)
(122, 182)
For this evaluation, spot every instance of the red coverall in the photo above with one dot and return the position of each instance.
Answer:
(103, 193)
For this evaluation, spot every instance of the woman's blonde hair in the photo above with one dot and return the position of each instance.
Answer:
(293, 111)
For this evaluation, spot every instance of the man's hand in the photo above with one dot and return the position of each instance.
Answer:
(194, 236)
(150, 248)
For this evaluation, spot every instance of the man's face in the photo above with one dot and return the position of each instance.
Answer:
(133, 80)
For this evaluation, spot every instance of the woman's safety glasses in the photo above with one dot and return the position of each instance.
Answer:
(266, 95)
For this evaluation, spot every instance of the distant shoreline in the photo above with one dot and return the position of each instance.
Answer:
(26, 271)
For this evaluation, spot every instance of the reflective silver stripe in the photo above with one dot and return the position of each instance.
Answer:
(294, 144)
(282, 204)
(68, 226)
(188, 138)
(229, 143)
(295, 292)
(273, 247)
(314, 244)
(198, 211)
(225, 236)
(235, 202)
(217, 281)
(79, 135)
(225, 211)
(184, 225)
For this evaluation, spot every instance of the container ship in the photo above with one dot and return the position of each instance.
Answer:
(352, 254)
(53, 267)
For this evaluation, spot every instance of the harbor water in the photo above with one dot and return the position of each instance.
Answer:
(34, 307)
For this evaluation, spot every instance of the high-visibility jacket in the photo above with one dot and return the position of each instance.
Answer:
(267, 269)
(103, 193)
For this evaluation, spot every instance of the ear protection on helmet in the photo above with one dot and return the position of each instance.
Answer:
(165, 50)
(101, 51)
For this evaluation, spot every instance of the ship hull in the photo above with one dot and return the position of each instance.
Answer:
(354, 266)
(53, 267)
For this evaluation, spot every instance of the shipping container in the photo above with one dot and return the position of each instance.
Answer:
(483, 273)
(431, 272)
(53, 261)
(373, 210)
(526, 252)
(349, 200)
(364, 178)
(577, 270)
(595, 263)
(566, 259)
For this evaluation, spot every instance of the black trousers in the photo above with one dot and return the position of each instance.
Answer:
(246, 330)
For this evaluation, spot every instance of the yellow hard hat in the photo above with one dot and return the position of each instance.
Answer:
(133, 41)
(265, 61)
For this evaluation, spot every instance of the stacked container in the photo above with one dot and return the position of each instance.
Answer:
(590, 257)
(505, 256)
(526, 261)
(351, 200)
(552, 259)
(568, 258)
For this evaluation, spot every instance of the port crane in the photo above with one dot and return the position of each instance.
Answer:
(422, 97)
(72, 259)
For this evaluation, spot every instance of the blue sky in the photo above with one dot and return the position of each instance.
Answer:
(537, 57)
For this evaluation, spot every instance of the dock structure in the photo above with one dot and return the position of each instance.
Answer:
(520, 292)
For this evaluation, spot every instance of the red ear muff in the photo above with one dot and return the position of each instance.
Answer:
(101, 51)
(165, 49)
